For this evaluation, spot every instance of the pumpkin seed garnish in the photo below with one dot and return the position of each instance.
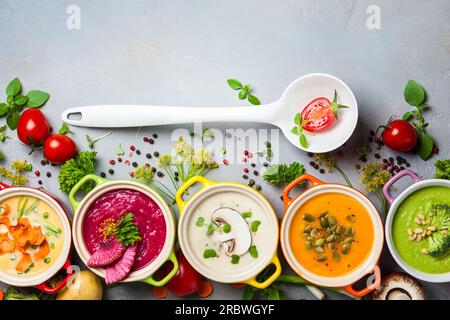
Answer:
(336, 256)
(321, 258)
(318, 249)
(346, 248)
(308, 217)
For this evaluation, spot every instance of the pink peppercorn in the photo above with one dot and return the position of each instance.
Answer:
(132, 148)
(225, 162)
(37, 173)
(112, 162)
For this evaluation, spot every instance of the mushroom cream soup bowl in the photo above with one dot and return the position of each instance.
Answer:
(331, 235)
(40, 211)
(161, 250)
(228, 232)
(417, 199)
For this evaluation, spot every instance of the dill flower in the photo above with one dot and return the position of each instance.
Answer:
(15, 173)
(373, 178)
(144, 174)
(328, 161)
(164, 160)
(204, 157)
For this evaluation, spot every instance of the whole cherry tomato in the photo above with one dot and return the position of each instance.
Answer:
(32, 127)
(59, 148)
(399, 135)
(320, 113)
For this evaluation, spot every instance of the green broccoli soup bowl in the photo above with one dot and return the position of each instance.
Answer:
(417, 227)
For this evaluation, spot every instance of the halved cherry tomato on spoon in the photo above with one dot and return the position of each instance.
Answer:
(59, 148)
(320, 113)
(32, 127)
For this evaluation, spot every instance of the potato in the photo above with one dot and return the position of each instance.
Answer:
(86, 286)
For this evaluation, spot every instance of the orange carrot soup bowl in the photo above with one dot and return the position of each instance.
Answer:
(332, 235)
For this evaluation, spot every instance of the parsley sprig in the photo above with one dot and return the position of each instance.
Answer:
(277, 174)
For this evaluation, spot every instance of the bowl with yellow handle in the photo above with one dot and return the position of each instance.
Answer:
(228, 232)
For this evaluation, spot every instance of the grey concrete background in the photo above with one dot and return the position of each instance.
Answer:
(181, 52)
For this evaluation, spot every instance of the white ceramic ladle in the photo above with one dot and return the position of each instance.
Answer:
(279, 113)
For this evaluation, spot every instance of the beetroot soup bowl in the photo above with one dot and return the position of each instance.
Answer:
(111, 201)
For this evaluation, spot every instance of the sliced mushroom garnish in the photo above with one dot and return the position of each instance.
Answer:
(399, 286)
(239, 238)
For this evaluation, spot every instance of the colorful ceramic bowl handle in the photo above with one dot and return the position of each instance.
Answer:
(306, 177)
(368, 289)
(3, 186)
(197, 179)
(160, 283)
(90, 177)
(394, 179)
(262, 285)
(53, 290)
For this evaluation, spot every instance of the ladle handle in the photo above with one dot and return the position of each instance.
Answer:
(118, 116)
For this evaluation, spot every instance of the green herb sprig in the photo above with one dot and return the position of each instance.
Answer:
(65, 130)
(415, 96)
(74, 169)
(442, 169)
(127, 232)
(15, 102)
(299, 131)
(283, 174)
(245, 91)
(91, 141)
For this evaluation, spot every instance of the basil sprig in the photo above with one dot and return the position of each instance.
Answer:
(415, 96)
(244, 91)
(15, 102)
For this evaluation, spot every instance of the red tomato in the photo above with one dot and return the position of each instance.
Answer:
(320, 113)
(399, 135)
(59, 148)
(32, 127)
(186, 281)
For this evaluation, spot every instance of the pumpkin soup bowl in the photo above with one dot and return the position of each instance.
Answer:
(228, 232)
(152, 216)
(58, 257)
(331, 235)
(404, 209)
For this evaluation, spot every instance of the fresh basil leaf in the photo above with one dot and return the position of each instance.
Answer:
(253, 100)
(297, 119)
(235, 259)
(246, 214)
(303, 141)
(226, 228)
(37, 98)
(254, 225)
(20, 100)
(246, 88)
(407, 115)
(295, 130)
(414, 93)
(424, 145)
(12, 119)
(242, 94)
(234, 84)
(209, 253)
(64, 129)
(13, 87)
(3, 109)
(253, 251)
(249, 293)
(200, 222)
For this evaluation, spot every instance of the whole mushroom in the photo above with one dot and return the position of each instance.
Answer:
(399, 286)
